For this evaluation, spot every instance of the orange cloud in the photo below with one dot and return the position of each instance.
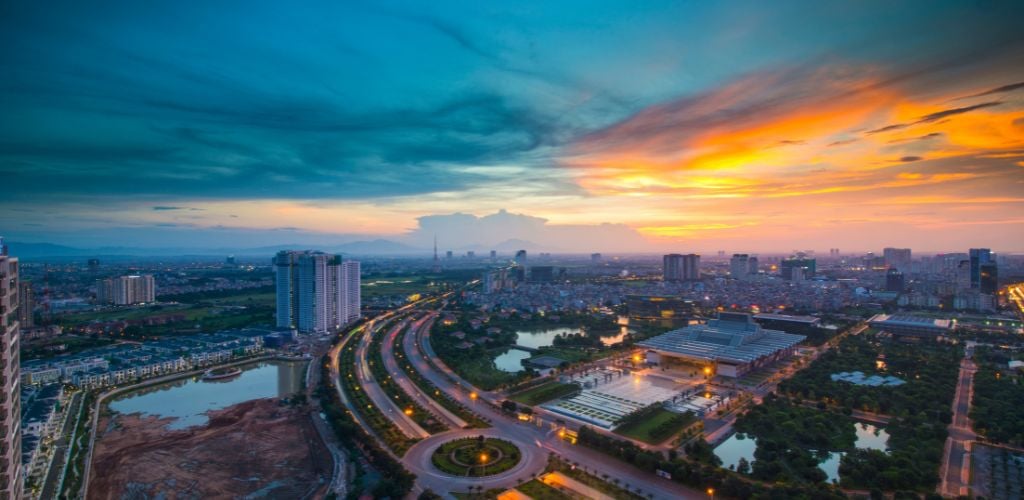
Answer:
(761, 145)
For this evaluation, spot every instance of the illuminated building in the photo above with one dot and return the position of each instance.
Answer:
(988, 279)
(894, 281)
(912, 326)
(733, 343)
(669, 311)
(978, 256)
(808, 267)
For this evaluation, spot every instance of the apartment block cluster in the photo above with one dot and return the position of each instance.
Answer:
(316, 292)
(126, 290)
(971, 279)
(122, 363)
(44, 410)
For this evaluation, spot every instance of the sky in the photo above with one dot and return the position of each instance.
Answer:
(575, 126)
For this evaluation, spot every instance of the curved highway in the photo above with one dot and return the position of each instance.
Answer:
(535, 441)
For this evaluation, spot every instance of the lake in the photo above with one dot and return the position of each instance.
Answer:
(509, 361)
(544, 338)
(188, 400)
(869, 437)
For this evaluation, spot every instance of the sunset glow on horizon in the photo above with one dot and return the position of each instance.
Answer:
(611, 127)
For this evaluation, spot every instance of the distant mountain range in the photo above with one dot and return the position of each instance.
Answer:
(35, 251)
(50, 250)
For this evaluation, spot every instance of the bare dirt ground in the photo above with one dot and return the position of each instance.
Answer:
(255, 449)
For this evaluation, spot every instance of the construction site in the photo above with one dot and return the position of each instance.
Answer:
(258, 448)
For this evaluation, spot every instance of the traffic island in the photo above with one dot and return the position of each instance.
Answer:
(476, 456)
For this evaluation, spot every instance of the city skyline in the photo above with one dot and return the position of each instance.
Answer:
(657, 129)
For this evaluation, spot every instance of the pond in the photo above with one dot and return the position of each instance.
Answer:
(188, 400)
(869, 437)
(544, 338)
(510, 360)
(612, 339)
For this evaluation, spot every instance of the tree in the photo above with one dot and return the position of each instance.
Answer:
(743, 466)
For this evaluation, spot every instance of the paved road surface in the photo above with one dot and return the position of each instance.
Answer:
(373, 389)
(544, 440)
(956, 463)
(52, 481)
(398, 375)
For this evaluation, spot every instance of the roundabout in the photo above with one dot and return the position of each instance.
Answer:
(455, 460)
(476, 456)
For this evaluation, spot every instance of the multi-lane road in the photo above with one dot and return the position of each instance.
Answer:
(956, 463)
(535, 441)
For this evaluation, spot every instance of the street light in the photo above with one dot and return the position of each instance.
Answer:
(711, 493)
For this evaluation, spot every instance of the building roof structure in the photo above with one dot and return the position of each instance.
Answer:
(733, 337)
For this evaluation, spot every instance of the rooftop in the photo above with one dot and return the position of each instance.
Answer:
(733, 337)
(911, 320)
(787, 317)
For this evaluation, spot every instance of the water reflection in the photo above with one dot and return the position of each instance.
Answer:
(736, 447)
(869, 437)
(510, 360)
(545, 338)
(542, 338)
(188, 400)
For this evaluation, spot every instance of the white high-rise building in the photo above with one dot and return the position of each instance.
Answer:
(126, 290)
(739, 266)
(10, 371)
(316, 292)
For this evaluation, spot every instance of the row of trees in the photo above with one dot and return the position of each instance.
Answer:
(998, 398)
(396, 481)
(698, 475)
(786, 435)
(423, 417)
(929, 370)
(475, 363)
(393, 437)
(920, 409)
(442, 398)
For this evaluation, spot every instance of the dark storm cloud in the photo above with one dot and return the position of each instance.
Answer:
(155, 123)
(998, 90)
(934, 117)
(914, 139)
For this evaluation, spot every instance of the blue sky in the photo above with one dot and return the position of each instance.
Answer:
(359, 118)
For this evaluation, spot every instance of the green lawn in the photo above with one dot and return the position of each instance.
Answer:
(660, 426)
(540, 491)
(544, 393)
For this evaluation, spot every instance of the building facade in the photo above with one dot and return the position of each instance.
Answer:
(316, 292)
(26, 305)
(807, 267)
(126, 290)
(739, 266)
(897, 257)
(729, 346)
(10, 395)
(681, 267)
(978, 256)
